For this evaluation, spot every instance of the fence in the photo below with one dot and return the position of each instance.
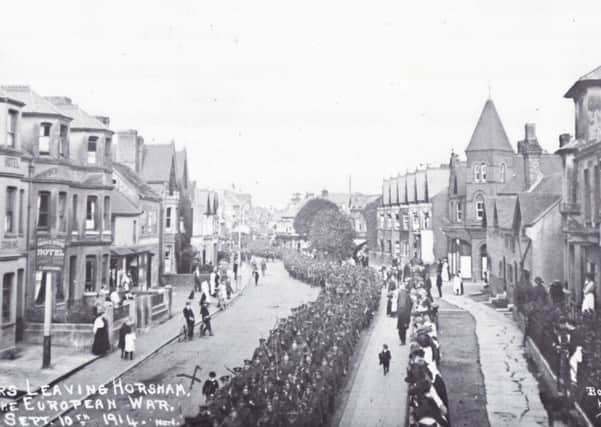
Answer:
(157, 299)
(543, 335)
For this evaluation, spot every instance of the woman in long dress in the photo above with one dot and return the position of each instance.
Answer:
(588, 302)
(101, 336)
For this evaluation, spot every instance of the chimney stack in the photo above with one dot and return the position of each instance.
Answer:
(530, 132)
(59, 100)
(564, 138)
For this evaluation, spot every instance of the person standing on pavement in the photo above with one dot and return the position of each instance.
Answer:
(445, 272)
(385, 357)
(235, 268)
(123, 331)
(404, 305)
(130, 344)
(588, 291)
(197, 283)
(101, 343)
(256, 276)
(206, 320)
(439, 284)
(189, 319)
(212, 282)
(263, 267)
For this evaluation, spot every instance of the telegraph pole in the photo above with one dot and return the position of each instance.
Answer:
(47, 321)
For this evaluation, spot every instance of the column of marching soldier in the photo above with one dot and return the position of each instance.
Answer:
(295, 374)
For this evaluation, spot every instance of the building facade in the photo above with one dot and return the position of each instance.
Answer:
(205, 228)
(406, 217)
(14, 171)
(581, 204)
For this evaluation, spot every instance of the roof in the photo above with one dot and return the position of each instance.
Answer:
(360, 200)
(5, 97)
(420, 183)
(203, 198)
(34, 103)
(461, 174)
(505, 206)
(550, 184)
(590, 78)
(143, 189)
(157, 161)
(533, 205)
(489, 133)
(81, 119)
(550, 164)
(121, 205)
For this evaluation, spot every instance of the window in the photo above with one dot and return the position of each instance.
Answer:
(455, 184)
(415, 221)
(63, 143)
(74, 219)
(427, 220)
(168, 218)
(7, 291)
(502, 173)
(397, 219)
(105, 268)
(107, 212)
(21, 212)
(91, 213)
(92, 145)
(12, 128)
(135, 232)
(479, 207)
(483, 172)
(510, 273)
(90, 283)
(44, 209)
(46, 277)
(62, 212)
(477, 173)
(459, 212)
(107, 151)
(587, 195)
(9, 214)
(44, 141)
(405, 222)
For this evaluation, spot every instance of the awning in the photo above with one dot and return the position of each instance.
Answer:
(121, 251)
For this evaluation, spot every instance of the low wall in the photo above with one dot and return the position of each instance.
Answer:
(183, 280)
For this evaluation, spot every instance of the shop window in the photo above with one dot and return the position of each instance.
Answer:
(92, 149)
(44, 209)
(21, 212)
(90, 281)
(7, 290)
(91, 213)
(62, 212)
(9, 214)
(44, 139)
(13, 117)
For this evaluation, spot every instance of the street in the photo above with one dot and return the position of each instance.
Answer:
(237, 331)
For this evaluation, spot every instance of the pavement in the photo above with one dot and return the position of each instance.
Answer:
(512, 392)
(86, 369)
(372, 399)
(237, 331)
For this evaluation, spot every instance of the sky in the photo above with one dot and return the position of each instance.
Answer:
(278, 96)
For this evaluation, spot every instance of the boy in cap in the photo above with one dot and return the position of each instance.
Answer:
(210, 386)
(385, 357)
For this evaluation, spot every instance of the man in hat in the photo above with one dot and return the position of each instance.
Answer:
(206, 320)
(189, 319)
(210, 386)
(539, 291)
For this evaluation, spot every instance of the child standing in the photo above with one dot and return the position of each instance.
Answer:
(130, 344)
(385, 357)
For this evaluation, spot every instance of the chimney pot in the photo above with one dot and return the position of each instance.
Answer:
(564, 138)
(105, 120)
(530, 132)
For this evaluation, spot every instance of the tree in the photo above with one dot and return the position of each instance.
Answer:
(305, 216)
(332, 232)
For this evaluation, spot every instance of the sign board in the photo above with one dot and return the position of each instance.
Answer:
(50, 254)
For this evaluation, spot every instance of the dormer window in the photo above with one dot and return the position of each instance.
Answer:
(92, 146)
(44, 141)
(11, 130)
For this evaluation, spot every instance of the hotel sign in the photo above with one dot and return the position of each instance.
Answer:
(50, 254)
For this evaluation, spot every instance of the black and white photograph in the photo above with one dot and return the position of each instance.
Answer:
(275, 213)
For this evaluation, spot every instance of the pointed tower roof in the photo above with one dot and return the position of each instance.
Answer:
(489, 133)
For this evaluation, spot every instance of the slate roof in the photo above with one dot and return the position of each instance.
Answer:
(157, 161)
(81, 119)
(550, 184)
(592, 77)
(360, 200)
(550, 164)
(34, 103)
(532, 205)
(505, 206)
(489, 133)
(121, 205)
(180, 165)
(5, 97)
(143, 189)
(202, 198)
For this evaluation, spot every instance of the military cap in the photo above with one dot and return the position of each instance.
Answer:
(224, 378)
(237, 369)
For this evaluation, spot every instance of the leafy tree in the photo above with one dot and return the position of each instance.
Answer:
(332, 232)
(305, 216)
